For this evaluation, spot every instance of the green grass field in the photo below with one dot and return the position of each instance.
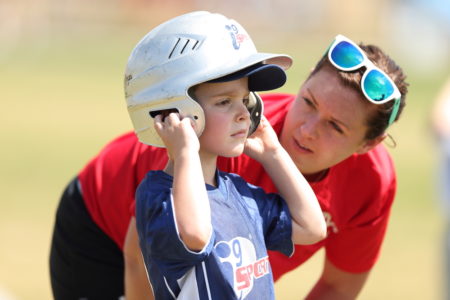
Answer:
(63, 100)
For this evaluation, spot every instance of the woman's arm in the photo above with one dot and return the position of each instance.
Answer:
(137, 285)
(308, 223)
(336, 284)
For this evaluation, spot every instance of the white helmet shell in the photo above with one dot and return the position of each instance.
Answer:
(185, 51)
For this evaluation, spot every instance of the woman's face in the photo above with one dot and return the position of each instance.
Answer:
(326, 123)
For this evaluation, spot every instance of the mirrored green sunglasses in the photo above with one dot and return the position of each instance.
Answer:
(376, 85)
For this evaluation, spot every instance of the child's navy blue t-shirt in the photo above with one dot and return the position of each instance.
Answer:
(234, 264)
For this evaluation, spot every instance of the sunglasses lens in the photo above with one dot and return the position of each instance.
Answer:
(377, 86)
(345, 55)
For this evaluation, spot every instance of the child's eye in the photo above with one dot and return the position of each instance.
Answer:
(224, 102)
(246, 101)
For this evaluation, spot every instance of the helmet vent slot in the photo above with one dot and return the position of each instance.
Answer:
(163, 112)
(174, 47)
(182, 50)
(195, 45)
(181, 47)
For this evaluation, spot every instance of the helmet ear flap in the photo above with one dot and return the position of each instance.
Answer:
(256, 109)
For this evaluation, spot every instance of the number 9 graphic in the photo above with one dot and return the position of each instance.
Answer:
(237, 251)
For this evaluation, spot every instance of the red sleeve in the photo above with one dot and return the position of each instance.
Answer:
(110, 179)
(133, 209)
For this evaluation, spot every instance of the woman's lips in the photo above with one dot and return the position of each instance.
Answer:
(302, 148)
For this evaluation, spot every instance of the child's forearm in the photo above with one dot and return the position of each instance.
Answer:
(192, 210)
(308, 224)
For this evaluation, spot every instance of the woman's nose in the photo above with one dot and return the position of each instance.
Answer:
(309, 127)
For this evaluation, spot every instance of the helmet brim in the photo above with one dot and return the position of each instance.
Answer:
(261, 77)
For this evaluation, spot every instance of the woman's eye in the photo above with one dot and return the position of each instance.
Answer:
(336, 127)
(308, 102)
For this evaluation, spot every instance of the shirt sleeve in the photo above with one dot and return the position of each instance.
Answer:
(356, 248)
(158, 233)
(277, 223)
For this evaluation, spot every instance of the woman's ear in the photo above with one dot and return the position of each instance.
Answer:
(370, 144)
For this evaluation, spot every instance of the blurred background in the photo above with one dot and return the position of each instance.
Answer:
(61, 82)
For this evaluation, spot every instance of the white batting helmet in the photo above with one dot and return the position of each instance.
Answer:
(188, 50)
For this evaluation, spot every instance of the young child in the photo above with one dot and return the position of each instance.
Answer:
(204, 234)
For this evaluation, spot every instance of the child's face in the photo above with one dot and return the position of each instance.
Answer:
(227, 117)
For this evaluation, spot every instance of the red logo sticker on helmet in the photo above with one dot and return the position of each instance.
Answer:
(236, 37)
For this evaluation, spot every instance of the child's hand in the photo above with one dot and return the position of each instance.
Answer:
(177, 134)
(263, 142)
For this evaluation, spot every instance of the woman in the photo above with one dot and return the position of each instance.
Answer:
(333, 131)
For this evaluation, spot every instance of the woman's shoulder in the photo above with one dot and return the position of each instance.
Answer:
(367, 181)
(375, 166)
(269, 97)
(276, 102)
(378, 160)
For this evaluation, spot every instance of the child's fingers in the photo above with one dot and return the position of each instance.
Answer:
(264, 122)
(188, 121)
(158, 124)
(172, 118)
(262, 125)
(158, 118)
